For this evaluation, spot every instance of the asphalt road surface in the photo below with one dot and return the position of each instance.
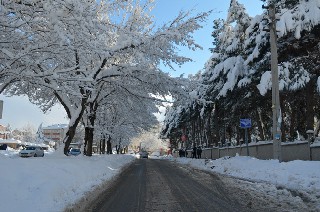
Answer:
(162, 185)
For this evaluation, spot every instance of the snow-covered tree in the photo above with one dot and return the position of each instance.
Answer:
(298, 67)
(222, 74)
(238, 76)
(9, 130)
(124, 117)
(75, 49)
(150, 140)
(28, 133)
(39, 135)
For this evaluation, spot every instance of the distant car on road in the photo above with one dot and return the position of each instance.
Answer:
(144, 154)
(74, 152)
(32, 151)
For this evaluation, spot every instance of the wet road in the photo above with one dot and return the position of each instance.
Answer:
(163, 185)
(160, 185)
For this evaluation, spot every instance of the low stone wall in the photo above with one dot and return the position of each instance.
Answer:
(297, 151)
(315, 153)
(290, 151)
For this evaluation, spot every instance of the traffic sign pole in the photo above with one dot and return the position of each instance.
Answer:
(246, 123)
(246, 138)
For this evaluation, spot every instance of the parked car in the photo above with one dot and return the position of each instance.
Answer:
(32, 151)
(45, 148)
(144, 154)
(74, 152)
(3, 146)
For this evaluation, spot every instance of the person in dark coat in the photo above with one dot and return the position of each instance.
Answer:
(194, 152)
(199, 151)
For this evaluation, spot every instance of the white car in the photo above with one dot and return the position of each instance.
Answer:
(32, 151)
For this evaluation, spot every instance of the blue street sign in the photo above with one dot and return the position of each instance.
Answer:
(245, 123)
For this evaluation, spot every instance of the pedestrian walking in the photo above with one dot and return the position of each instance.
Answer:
(199, 151)
(194, 152)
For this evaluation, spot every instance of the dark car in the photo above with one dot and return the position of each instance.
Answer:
(3, 146)
(44, 148)
(144, 154)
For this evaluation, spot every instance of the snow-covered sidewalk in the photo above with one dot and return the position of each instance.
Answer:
(53, 182)
(301, 176)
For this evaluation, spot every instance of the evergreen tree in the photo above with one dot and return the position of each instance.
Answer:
(237, 77)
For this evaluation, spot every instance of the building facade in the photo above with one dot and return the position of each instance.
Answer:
(55, 132)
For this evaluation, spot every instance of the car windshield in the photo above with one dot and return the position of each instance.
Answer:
(30, 148)
(75, 150)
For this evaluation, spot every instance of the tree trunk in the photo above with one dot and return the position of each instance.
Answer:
(238, 135)
(293, 124)
(69, 136)
(89, 137)
(109, 147)
(72, 129)
(103, 145)
(310, 106)
(85, 144)
(193, 132)
(89, 129)
(118, 148)
(260, 124)
(282, 127)
(208, 131)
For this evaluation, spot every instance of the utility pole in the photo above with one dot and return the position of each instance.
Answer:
(1, 108)
(276, 116)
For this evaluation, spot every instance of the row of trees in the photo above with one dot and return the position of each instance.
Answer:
(98, 59)
(236, 82)
(150, 141)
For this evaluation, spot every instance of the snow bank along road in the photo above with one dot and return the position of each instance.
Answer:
(162, 185)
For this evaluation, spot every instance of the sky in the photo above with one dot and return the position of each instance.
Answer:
(19, 113)
(164, 13)
(52, 182)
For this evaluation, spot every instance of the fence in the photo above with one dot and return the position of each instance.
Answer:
(290, 151)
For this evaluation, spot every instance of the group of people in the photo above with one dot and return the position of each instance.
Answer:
(196, 152)
(183, 153)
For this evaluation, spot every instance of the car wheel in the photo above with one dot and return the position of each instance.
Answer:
(35, 155)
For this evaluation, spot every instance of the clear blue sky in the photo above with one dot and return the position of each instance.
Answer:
(18, 112)
(166, 10)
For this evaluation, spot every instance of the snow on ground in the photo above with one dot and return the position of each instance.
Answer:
(53, 182)
(298, 176)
